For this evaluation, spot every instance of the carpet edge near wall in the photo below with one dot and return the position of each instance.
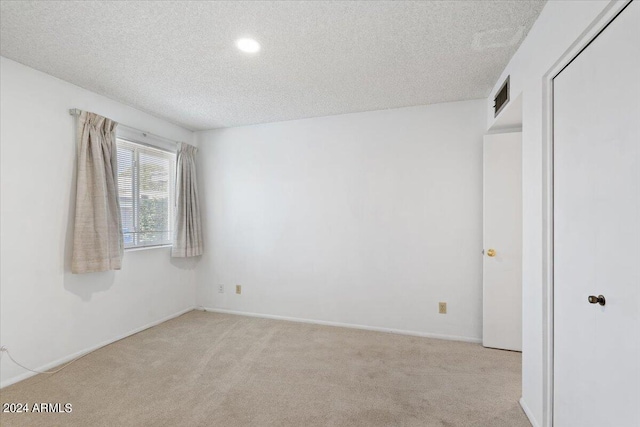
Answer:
(527, 412)
(473, 340)
(70, 357)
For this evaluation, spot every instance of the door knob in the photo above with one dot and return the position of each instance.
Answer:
(597, 299)
(491, 252)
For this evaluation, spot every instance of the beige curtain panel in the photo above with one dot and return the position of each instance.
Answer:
(97, 236)
(187, 235)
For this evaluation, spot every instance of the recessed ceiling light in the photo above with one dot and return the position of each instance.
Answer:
(248, 45)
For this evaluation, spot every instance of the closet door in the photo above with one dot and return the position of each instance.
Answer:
(597, 231)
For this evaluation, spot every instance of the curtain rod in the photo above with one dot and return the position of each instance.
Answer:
(76, 112)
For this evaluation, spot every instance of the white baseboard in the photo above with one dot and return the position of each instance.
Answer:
(70, 357)
(345, 325)
(528, 413)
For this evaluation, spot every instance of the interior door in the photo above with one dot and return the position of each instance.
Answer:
(597, 231)
(502, 231)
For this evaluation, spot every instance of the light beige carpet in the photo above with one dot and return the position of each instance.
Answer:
(207, 369)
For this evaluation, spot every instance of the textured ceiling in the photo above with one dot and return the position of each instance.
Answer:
(178, 60)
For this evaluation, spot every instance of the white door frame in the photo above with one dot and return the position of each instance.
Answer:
(602, 20)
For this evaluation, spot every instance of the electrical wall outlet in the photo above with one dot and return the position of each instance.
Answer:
(442, 307)
(238, 289)
(221, 289)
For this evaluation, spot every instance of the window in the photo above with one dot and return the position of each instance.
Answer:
(146, 179)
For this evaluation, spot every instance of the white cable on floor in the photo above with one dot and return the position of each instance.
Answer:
(6, 350)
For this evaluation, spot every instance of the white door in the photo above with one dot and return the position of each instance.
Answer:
(502, 266)
(597, 231)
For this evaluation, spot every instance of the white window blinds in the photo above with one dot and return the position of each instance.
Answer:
(146, 179)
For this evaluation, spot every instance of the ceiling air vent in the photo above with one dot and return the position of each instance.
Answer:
(502, 98)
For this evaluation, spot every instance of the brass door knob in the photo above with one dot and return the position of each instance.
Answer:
(597, 299)
(491, 252)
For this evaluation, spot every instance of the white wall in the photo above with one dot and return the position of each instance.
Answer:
(363, 219)
(48, 314)
(559, 25)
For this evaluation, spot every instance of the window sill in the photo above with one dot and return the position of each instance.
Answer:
(146, 248)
